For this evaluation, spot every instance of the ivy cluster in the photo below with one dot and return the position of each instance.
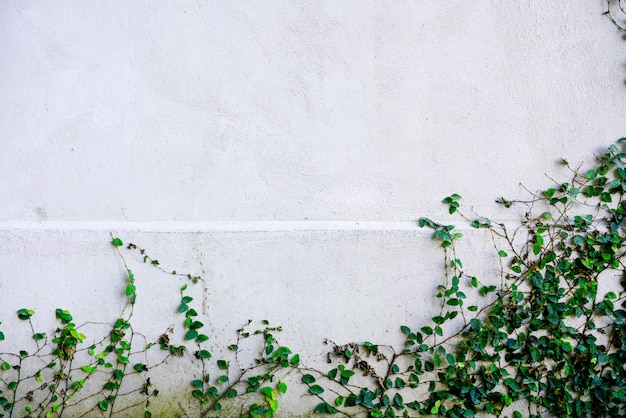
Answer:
(538, 340)
(61, 376)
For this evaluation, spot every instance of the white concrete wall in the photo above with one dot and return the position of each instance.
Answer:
(282, 150)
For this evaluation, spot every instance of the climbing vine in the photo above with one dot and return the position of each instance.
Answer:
(541, 340)
(60, 376)
(616, 10)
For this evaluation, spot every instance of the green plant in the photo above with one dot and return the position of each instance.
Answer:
(539, 340)
(79, 380)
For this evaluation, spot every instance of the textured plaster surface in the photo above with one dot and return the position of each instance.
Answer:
(282, 150)
(332, 110)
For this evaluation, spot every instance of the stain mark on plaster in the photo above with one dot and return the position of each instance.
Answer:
(205, 301)
(42, 214)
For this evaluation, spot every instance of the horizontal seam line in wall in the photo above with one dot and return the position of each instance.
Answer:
(226, 226)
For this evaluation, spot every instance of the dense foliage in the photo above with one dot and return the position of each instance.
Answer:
(542, 338)
(59, 375)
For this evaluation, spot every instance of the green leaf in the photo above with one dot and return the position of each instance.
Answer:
(111, 386)
(325, 408)
(427, 222)
(347, 373)
(267, 391)
(282, 387)
(435, 409)
(204, 354)
(89, 369)
(130, 289)
(308, 379)
(485, 290)
(103, 405)
(320, 409)
(295, 360)
(201, 338)
(502, 253)
(140, 367)
(512, 384)
(118, 243)
(316, 389)
(196, 325)
(25, 314)
(476, 324)
(507, 203)
(451, 360)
